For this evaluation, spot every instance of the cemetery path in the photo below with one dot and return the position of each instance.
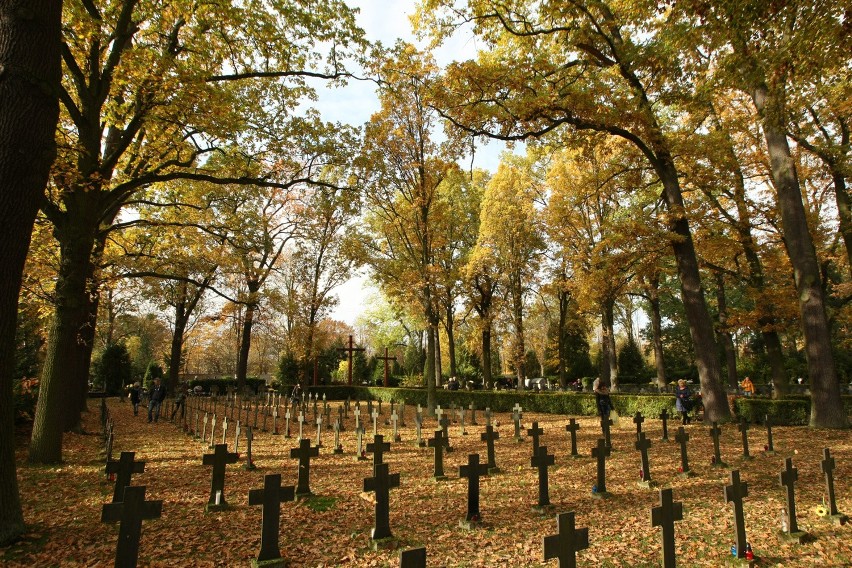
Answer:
(62, 504)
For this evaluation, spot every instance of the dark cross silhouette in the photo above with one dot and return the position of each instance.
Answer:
(413, 558)
(643, 444)
(123, 468)
(664, 416)
(349, 350)
(249, 465)
(665, 516)
(638, 419)
(304, 453)
(572, 427)
(682, 438)
(472, 408)
(715, 432)
(386, 358)
(130, 513)
(788, 479)
(566, 542)
(828, 470)
(473, 471)
(542, 460)
(535, 432)
(734, 493)
(770, 448)
(338, 449)
(438, 443)
(271, 497)
(743, 427)
(359, 441)
(378, 447)
(488, 437)
(238, 431)
(381, 483)
(601, 451)
(516, 417)
(606, 422)
(445, 423)
(218, 459)
(418, 428)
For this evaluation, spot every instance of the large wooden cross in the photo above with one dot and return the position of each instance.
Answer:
(378, 447)
(535, 432)
(438, 443)
(123, 468)
(218, 459)
(130, 513)
(473, 471)
(665, 516)
(349, 350)
(386, 358)
(566, 542)
(304, 453)
(734, 493)
(271, 497)
(381, 482)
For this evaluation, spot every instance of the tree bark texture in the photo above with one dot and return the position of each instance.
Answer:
(725, 336)
(610, 362)
(652, 290)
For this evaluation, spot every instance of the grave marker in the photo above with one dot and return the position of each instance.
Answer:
(438, 443)
(638, 419)
(395, 422)
(357, 416)
(487, 415)
(375, 416)
(319, 431)
(715, 432)
(682, 438)
(472, 409)
(542, 460)
(130, 513)
(304, 453)
(378, 447)
(488, 437)
(472, 471)
(534, 433)
(287, 420)
(418, 425)
(665, 516)
(516, 418)
(275, 420)
(734, 493)
(445, 423)
(359, 439)
(225, 430)
(743, 427)
(301, 424)
(212, 432)
(643, 444)
(606, 422)
(413, 558)
(218, 459)
(381, 483)
(270, 497)
(664, 416)
(828, 469)
(338, 447)
(770, 448)
(572, 428)
(340, 418)
(237, 432)
(461, 413)
(567, 541)
(249, 465)
(123, 469)
(204, 431)
(788, 479)
(350, 349)
(601, 451)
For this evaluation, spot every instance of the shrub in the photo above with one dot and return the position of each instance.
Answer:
(112, 371)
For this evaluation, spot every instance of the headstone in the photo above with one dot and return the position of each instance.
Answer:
(715, 432)
(249, 465)
(743, 427)
(381, 483)
(304, 453)
(516, 418)
(572, 428)
(664, 416)
(338, 447)
(566, 542)
(488, 437)
(734, 493)
(788, 479)
(130, 513)
(413, 558)
(665, 516)
(378, 447)
(123, 469)
(438, 443)
(828, 469)
(542, 460)
(271, 497)
(642, 445)
(638, 419)
(218, 459)
(534, 433)
(359, 439)
(600, 452)
(472, 471)
(682, 438)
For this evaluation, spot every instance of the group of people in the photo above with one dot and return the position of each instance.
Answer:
(156, 396)
(683, 400)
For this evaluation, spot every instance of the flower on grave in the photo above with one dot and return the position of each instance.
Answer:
(820, 510)
(713, 459)
(641, 474)
(475, 518)
(238, 455)
(339, 446)
(766, 447)
(749, 555)
(680, 469)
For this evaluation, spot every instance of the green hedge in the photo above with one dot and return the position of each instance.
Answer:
(792, 410)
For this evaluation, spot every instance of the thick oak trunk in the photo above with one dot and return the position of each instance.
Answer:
(610, 356)
(561, 347)
(245, 347)
(487, 379)
(725, 337)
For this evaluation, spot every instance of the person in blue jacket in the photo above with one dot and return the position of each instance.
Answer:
(683, 401)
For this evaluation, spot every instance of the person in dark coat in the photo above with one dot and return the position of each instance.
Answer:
(296, 395)
(603, 401)
(155, 400)
(135, 397)
(683, 401)
(180, 403)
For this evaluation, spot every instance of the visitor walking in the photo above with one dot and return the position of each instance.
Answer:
(683, 401)
(135, 397)
(155, 399)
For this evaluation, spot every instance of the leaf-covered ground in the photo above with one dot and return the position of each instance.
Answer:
(62, 504)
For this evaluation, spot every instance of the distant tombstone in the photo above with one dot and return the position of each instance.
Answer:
(743, 428)
(517, 414)
(225, 430)
(715, 432)
(572, 428)
(130, 513)
(359, 442)
(304, 453)
(535, 432)
(301, 424)
(643, 444)
(788, 479)
(567, 541)
(338, 447)
(212, 443)
(487, 415)
(378, 447)
(600, 452)
(735, 493)
(472, 471)
(375, 417)
(438, 443)
(488, 437)
(249, 464)
(542, 460)
(270, 497)
(828, 469)
(123, 469)
(395, 422)
(638, 419)
(218, 459)
(682, 438)
(664, 416)
(665, 516)
(770, 448)
(418, 430)
(319, 431)
(472, 409)
(381, 483)
(287, 423)
(413, 558)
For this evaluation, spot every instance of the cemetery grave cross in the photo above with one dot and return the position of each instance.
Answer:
(488, 437)
(387, 358)
(438, 443)
(123, 468)
(301, 424)
(212, 432)
(715, 432)
(402, 414)
(516, 417)
(287, 423)
(601, 451)
(204, 431)
(743, 427)
(275, 420)
(788, 479)
(195, 429)
(338, 449)
(381, 483)
(472, 408)
(734, 493)
(664, 416)
(535, 432)
(319, 431)
(542, 460)
(445, 423)
(130, 513)
(413, 558)
(237, 432)
(572, 427)
(271, 497)
(304, 453)
(461, 421)
(566, 542)
(249, 465)
(606, 422)
(375, 416)
(395, 422)
(473, 471)
(665, 516)
(378, 447)
(225, 429)
(828, 469)
(638, 419)
(218, 459)
(682, 438)
(357, 417)
(349, 350)
(643, 444)
(418, 427)
(487, 415)
(340, 418)
(359, 438)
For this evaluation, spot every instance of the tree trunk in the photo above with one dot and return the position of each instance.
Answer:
(564, 300)
(610, 362)
(439, 371)
(429, 370)
(487, 379)
(519, 350)
(725, 336)
(176, 351)
(245, 347)
(826, 407)
(451, 343)
(844, 210)
(652, 290)
(30, 39)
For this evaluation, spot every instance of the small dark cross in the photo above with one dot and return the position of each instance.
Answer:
(375, 415)
(438, 443)
(788, 479)
(566, 542)
(715, 432)
(542, 460)
(472, 408)
(534, 433)
(123, 468)
(381, 482)
(664, 416)
(418, 428)
(572, 427)
(271, 497)
(473, 471)
(743, 427)
(606, 422)
(770, 449)
(349, 350)
(378, 447)
(130, 513)
(387, 358)
(734, 493)
(638, 419)
(218, 459)
(340, 418)
(413, 558)
(828, 469)
(445, 423)
(488, 437)
(643, 444)
(682, 438)
(249, 465)
(516, 418)
(338, 449)
(304, 453)
(665, 516)
(601, 452)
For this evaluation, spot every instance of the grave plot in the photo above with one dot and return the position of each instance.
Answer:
(333, 526)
